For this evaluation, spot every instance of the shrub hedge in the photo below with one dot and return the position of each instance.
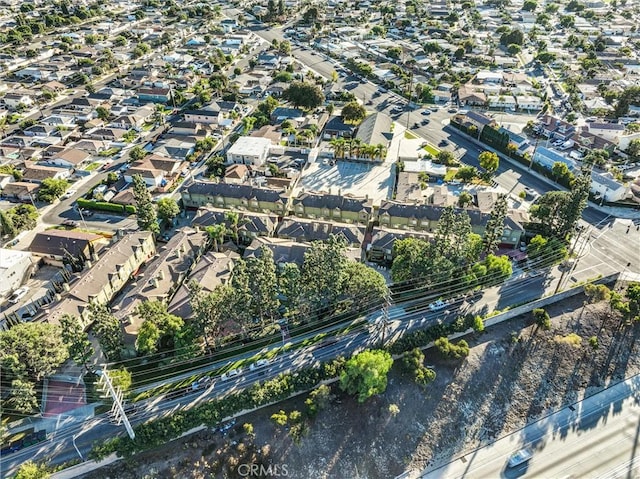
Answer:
(100, 205)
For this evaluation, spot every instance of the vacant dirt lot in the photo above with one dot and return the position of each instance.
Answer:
(514, 374)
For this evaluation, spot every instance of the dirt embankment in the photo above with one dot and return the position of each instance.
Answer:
(514, 374)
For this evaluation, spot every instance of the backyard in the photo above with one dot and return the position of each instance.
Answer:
(515, 373)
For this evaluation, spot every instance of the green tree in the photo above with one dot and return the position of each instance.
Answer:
(22, 397)
(289, 284)
(24, 217)
(263, 284)
(529, 5)
(215, 166)
(514, 36)
(633, 295)
(121, 379)
(108, 330)
(545, 251)
(159, 328)
(451, 350)
(6, 225)
(77, 341)
(103, 113)
(560, 170)
(353, 112)
(542, 318)
(365, 374)
(447, 158)
(321, 271)
(305, 95)
(466, 173)
(210, 311)
(495, 226)
(168, 209)
(216, 234)
(465, 199)
(36, 350)
(32, 470)
(137, 153)
(489, 161)
(145, 211)
(112, 178)
(597, 292)
(361, 285)
(633, 150)
(52, 189)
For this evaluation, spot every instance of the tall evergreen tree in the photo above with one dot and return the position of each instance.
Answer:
(77, 341)
(495, 226)
(145, 210)
(322, 268)
(263, 284)
(577, 202)
(108, 330)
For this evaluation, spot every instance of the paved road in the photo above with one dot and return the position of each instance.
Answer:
(60, 447)
(596, 438)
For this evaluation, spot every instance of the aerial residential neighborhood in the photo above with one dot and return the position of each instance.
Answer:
(319, 239)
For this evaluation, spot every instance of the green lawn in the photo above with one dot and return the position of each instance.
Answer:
(432, 150)
(451, 174)
(409, 136)
(93, 166)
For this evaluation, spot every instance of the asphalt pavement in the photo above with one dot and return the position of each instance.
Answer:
(594, 438)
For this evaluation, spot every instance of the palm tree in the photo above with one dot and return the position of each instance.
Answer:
(159, 114)
(233, 218)
(381, 151)
(216, 234)
(354, 147)
(338, 145)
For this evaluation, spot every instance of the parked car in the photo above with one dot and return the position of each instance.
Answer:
(426, 112)
(260, 363)
(106, 165)
(18, 294)
(520, 457)
(69, 194)
(230, 374)
(87, 213)
(71, 223)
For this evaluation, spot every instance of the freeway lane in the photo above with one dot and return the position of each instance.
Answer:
(597, 439)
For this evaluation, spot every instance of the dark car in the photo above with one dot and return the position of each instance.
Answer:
(71, 223)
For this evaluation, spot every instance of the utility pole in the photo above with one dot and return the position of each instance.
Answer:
(573, 246)
(385, 315)
(117, 409)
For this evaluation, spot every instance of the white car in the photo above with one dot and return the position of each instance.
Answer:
(437, 305)
(69, 194)
(230, 374)
(523, 455)
(18, 294)
(260, 363)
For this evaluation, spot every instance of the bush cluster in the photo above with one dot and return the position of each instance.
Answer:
(103, 205)
(162, 430)
(451, 350)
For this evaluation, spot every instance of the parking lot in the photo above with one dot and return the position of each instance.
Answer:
(348, 177)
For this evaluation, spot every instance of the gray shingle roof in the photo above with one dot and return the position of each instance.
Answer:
(375, 129)
(228, 190)
(344, 203)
